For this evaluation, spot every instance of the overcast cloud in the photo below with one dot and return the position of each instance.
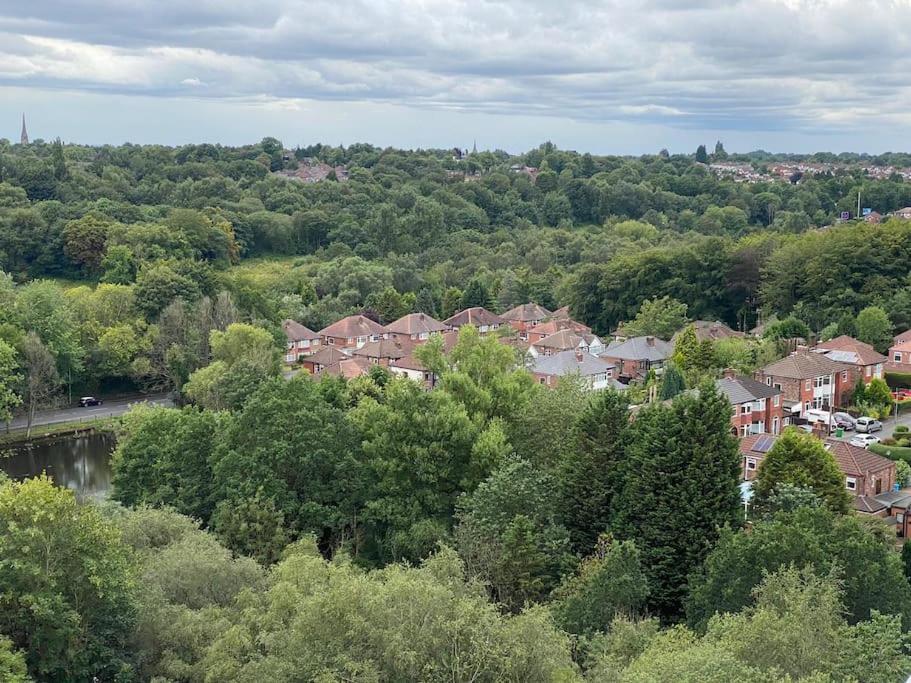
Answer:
(608, 75)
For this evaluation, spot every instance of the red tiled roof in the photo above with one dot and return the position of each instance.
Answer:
(562, 340)
(383, 348)
(348, 368)
(474, 316)
(554, 325)
(328, 355)
(851, 460)
(804, 365)
(526, 313)
(294, 331)
(353, 326)
(416, 323)
(866, 354)
(903, 337)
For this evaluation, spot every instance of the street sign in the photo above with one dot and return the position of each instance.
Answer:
(846, 215)
(867, 212)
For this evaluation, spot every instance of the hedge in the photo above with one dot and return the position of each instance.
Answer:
(898, 380)
(892, 452)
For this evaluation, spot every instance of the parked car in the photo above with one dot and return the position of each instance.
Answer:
(863, 440)
(844, 421)
(867, 425)
(901, 394)
(87, 401)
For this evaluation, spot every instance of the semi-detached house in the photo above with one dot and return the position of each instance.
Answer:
(757, 407)
(808, 380)
(352, 332)
(301, 341)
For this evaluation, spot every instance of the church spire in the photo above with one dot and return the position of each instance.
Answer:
(474, 147)
(24, 137)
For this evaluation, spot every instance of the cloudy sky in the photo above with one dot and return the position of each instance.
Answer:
(622, 76)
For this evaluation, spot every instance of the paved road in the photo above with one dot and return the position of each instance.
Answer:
(112, 408)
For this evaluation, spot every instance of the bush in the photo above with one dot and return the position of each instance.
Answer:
(901, 428)
(889, 442)
(892, 452)
(903, 443)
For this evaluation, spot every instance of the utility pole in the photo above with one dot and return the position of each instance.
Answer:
(857, 215)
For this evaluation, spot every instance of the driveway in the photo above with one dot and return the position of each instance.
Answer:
(113, 408)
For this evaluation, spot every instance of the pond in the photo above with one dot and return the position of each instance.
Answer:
(81, 463)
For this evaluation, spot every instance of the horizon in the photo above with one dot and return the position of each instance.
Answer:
(608, 77)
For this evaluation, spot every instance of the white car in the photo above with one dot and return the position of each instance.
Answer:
(863, 440)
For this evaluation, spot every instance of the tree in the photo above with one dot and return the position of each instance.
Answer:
(691, 355)
(657, 318)
(84, 242)
(608, 584)
(676, 520)
(157, 285)
(9, 381)
(508, 534)
(68, 595)
(476, 294)
(874, 328)
(869, 568)
(720, 154)
(252, 527)
(789, 328)
(41, 379)
(13, 668)
(878, 394)
(452, 301)
(672, 383)
(702, 156)
(592, 473)
(800, 459)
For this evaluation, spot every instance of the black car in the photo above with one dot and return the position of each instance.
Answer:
(86, 401)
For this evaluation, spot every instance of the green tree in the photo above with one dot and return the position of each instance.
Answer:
(41, 379)
(800, 459)
(118, 265)
(252, 527)
(9, 381)
(13, 668)
(878, 394)
(476, 294)
(692, 355)
(608, 584)
(591, 474)
(874, 328)
(68, 596)
(868, 566)
(452, 302)
(672, 383)
(657, 318)
(84, 242)
(702, 156)
(676, 520)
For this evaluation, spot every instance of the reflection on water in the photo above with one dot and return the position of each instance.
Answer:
(81, 463)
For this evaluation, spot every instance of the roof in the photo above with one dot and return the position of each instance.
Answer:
(851, 460)
(639, 348)
(564, 339)
(744, 389)
(569, 363)
(349, 368)
(903, 337)
(328, 355)
(868, 504)
(294, 331)
(474, 316)
(416, 323)
(353, 326)
(847, 349)
(526, 313)
(712, 330)
(554, 325)
(560, 313)
(382, 348)
(803, 365)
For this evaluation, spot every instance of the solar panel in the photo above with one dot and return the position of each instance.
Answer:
(763, 444)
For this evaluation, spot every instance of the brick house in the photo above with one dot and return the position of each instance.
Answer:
(598, 373)
(900, 353)
(352, 332)
(415, 327)
(525, 316)
(382, 351)
(300, 341)
(481, 318)
(552, 326)
(867, 362)
(866, 474)
(566, 340)
(809, 380)
(637, 355)
(758, 408)
(324, 358)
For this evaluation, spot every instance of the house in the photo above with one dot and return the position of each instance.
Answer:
(567, 340)
(382, 351)
(552, 326)
(325, 357)
(637, 355)
(903, 213)
(481, 318)
(757, 407)
(900, 353)
(712, 330)
(873, 217)
(867, 362)
(598, 373)
(410, 367)
(349, 368)
(416, 327)
(524, 316)
(808, 380)
(352, 332)
(301, 341)
(866, 474)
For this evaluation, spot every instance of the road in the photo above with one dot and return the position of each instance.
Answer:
(112, 408)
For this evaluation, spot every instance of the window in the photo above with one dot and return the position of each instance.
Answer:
(776, 425)
(776, 400)
(744, 430)
(851, 483)
(808, 385)
(869, 371)
(823, 381)
(844, 375)
(897, 357)
(361, 340)
(331, 341)
(423, 335)
(543, 380)
(751, 464)
(768, 381)
(746, 409)
(776, 386)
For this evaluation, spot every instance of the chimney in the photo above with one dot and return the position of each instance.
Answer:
(729, 373)
(650, 340)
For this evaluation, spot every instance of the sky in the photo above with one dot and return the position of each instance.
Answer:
(603, 76)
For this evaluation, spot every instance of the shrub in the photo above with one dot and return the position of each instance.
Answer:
(889, 442)
(901, 428)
